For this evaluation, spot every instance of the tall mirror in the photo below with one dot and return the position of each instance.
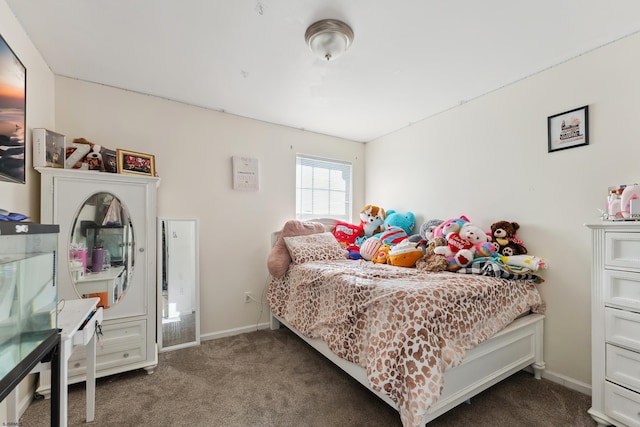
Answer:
(101, 249)
(178, 283)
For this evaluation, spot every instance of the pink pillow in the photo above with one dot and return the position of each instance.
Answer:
(279, 258)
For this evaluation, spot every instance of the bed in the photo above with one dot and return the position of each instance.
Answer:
(423, 342)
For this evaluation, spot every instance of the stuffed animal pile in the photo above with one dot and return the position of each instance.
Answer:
(386, 236)
(461, 243)
(381, 237)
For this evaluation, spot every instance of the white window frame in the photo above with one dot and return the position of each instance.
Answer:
(328, 208)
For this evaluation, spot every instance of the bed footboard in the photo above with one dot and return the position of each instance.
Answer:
(274, 323)
(515, 347)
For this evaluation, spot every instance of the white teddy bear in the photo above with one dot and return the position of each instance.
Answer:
(461, 245)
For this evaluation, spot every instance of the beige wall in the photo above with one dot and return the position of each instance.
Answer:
(193, 149)
(25, 198)
(488, 159)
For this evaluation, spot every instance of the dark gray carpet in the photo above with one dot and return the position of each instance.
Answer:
(272, 378)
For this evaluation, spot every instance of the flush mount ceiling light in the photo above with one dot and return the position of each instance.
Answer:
(329, 38)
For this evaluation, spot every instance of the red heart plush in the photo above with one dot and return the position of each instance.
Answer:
(456, 242)
(463, 260)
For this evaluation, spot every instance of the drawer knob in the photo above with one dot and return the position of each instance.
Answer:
(125, 355)
(76, 365)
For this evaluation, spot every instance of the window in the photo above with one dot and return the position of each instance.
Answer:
(323, 188)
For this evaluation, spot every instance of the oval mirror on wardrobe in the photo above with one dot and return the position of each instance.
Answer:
(178, 283)
(101, 249)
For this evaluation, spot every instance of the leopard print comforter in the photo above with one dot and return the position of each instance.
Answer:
(405, 326)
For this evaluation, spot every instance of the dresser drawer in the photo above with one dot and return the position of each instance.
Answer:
(623, 367)
(622, 328)
(622, 404)
(622, 250)
(622, 289)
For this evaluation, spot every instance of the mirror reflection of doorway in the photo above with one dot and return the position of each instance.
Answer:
(179, 305)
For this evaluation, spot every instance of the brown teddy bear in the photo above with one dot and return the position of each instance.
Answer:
(432, 261)
(504, 239)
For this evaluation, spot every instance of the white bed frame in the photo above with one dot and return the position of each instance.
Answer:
(515, 347)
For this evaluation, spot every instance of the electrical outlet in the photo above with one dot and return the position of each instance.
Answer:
(247, 297)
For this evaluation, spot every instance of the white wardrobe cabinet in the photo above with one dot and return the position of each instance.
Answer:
(615, 324)
(107, 249)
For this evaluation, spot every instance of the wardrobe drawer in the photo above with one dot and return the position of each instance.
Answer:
(623, 367)
(622, 328)
(622, 289)
(122, 344)
(622, 250)
(622, 404)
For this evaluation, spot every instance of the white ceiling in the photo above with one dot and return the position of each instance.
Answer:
(410, 59)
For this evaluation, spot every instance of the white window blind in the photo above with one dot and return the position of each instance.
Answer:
(323, 188)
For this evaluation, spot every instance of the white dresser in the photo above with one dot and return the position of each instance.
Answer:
(615, 323)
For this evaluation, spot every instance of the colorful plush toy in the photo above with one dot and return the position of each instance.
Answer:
(392, 235)
(381, 256)
(432, 261)
(504, 239)
(404, 254)
(450, 226)
(462, 245)
(425, 235)
(372, 220)
(353, 252)
(406, 221)
(427, 229)
(369, 248)
(345, 233)
(484, 249)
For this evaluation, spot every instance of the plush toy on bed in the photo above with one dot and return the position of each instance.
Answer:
(372, 220)
(425, 235)
(450, 226)
(404, 254)
(504, 239)
(345, 233)
(369, 248)
(397, 227)
(353, 251)
(406, 221)
(432, 261)
(382, 254)
(462, 245)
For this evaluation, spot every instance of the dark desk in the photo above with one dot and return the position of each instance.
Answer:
(48, 349)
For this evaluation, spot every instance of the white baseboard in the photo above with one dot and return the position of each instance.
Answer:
(564, 380)
(21, 405)
(24, 403)
(234, 331)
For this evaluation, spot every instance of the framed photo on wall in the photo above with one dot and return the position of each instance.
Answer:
(569, 129)
(13, 107)
(136, 163)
